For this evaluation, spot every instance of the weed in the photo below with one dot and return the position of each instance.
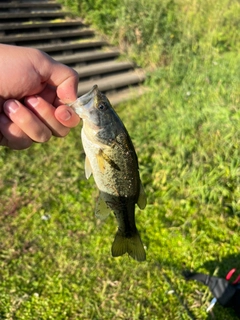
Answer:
(55, 260)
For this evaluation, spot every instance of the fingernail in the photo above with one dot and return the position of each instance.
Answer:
(65, 115)
(11, 106)
(33, 101)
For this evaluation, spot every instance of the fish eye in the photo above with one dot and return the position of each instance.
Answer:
(102, 107)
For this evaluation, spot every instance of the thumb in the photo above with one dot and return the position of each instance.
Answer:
(64, 78)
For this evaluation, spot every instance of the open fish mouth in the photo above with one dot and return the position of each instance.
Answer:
(87, 97)
(86, 101)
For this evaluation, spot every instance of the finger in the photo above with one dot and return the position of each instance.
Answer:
(65, 79)
(67, 116)
(12, 136)
(48, 94)
(63, 113)
(27, 121)
(46, 113)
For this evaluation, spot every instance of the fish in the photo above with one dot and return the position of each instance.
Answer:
(112, 160)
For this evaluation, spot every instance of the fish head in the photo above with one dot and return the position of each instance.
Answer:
(94, 108)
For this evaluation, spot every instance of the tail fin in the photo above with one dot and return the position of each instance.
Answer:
(133, 246)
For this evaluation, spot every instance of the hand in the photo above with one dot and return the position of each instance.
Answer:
(33, 91)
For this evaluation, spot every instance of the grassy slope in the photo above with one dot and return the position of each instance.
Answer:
(55, 260)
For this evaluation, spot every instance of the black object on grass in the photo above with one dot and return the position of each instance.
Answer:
(226, 293)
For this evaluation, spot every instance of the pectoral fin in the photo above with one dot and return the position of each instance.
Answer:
(102, 210)
(142, 199)
(100, 160)
(88, 169)
(101, 157)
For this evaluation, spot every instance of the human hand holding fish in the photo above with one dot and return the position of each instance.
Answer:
(111, 158)
(34, 90)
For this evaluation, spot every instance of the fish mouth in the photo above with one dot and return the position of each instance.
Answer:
(86, 101)
(83, 100)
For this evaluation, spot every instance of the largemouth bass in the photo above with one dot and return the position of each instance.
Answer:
(111, 158)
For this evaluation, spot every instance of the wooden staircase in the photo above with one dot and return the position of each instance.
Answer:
(45, 25)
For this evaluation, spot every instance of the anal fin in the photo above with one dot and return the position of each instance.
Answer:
(142, 199)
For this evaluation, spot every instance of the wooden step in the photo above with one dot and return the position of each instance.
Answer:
(66, 46)
(126, 94)
(86, 56)
(28, 16)
(103, 68)
(112, 83)
(29, 4)
(46, 36)
(39, 25)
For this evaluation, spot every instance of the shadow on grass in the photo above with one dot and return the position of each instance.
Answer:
(213, 267)
(225, 265)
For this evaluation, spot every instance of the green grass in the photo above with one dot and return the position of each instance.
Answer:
(55, 260)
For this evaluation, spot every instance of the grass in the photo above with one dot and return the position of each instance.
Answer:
(55, 260)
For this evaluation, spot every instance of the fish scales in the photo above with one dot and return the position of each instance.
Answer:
(111, 158)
